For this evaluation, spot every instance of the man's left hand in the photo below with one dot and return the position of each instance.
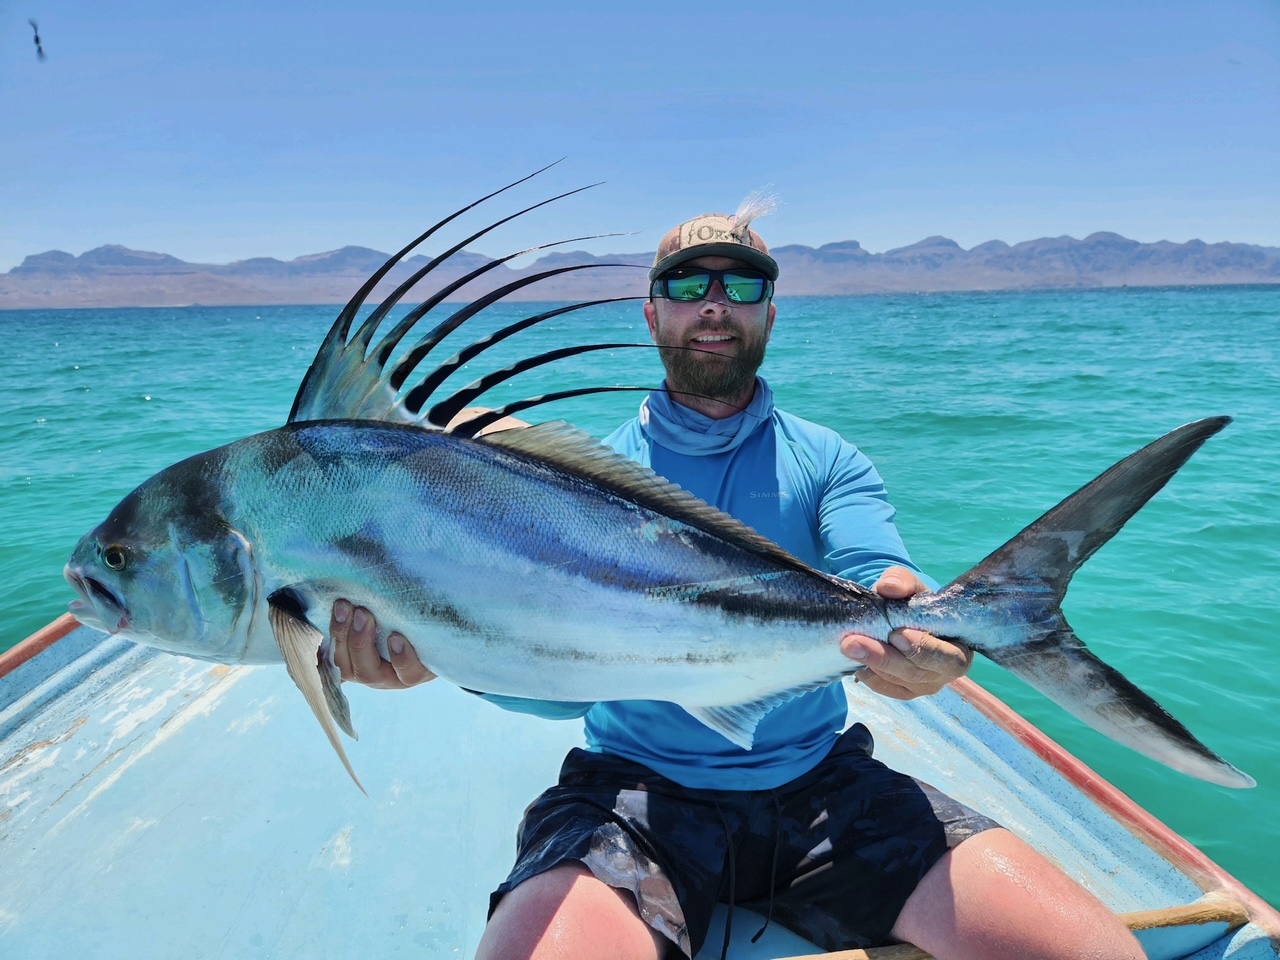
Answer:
(913, 663)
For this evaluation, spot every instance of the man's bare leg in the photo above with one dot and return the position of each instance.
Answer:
(995, 896)
(567, 914)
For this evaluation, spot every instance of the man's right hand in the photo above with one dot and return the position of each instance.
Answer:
(353, 631)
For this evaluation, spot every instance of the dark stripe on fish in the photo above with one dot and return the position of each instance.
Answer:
(752, 600)
(281, 449)
(369, 551)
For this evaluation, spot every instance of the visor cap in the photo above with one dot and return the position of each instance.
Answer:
(713, 235)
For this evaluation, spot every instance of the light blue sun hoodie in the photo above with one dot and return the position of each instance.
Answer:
(808, 490)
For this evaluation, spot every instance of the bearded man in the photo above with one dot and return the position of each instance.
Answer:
(660, 817)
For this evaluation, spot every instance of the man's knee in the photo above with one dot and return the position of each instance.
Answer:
(994, 895)
(566, 912)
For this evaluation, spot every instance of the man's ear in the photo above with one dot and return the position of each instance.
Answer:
(651, 318)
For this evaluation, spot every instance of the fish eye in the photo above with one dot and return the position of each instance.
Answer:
(114, 557)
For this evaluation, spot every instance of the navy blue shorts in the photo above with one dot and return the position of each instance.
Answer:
(832, 855)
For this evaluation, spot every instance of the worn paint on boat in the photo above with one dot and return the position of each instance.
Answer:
(158, 804)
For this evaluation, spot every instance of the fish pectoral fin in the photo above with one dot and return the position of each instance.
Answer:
(299, 641)
(737, 722)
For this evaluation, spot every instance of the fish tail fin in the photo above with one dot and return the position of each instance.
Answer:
(1020, 589)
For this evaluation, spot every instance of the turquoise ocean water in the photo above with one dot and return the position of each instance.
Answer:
(981, 411)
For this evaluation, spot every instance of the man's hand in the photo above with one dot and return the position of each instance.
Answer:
(353, 631)
(913, 663)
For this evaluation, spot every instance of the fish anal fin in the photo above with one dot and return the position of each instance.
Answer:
(299, 641)
(737, 722)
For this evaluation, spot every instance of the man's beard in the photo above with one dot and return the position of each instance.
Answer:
(715, 376)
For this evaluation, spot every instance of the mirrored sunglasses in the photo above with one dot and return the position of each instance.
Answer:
(694, 283)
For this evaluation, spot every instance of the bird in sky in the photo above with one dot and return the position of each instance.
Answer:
(39, 48)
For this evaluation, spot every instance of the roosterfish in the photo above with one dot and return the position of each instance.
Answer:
(478, 544)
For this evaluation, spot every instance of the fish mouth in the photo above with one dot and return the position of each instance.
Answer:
(98, 605)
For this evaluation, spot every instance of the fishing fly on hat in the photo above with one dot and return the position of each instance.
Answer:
(719, 235)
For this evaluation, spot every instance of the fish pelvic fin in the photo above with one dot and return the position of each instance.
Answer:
(737, 722)
(299, 643)
(1020, 588)
(334, 698)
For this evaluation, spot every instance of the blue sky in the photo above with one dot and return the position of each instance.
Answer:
(217, 132)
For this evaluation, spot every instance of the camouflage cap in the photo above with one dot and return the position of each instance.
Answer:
(713, 235)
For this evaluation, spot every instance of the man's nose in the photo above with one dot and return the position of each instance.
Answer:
(716, 300)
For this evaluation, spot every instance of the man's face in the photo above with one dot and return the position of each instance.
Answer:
(723, 343)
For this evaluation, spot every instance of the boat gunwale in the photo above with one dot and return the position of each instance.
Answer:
(1167, 843)
(37, 643)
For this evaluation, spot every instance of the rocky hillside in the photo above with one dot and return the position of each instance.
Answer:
(117, 276)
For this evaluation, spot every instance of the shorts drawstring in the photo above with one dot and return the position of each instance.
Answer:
(733, 880)
(733, 873)
(773, 867)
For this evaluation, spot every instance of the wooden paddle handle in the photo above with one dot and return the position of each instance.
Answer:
(1192, 914)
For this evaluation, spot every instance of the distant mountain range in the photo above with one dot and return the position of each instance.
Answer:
(113, 276)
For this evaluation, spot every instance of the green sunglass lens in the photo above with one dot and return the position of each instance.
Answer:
(690, 287)
(741, 289)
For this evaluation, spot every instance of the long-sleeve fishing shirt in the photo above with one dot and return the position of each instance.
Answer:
(808, 490)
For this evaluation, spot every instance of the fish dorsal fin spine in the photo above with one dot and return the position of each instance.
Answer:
(567, 448)
(353, 378)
